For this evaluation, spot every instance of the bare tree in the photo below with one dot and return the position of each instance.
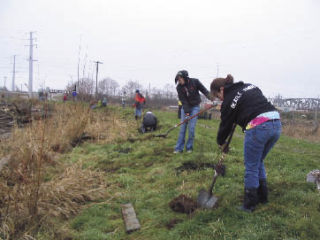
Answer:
(108, 86)
(114, 85)
(169, 90)
(131, 87)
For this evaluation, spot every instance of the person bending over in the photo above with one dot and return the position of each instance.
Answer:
(245, 105)
(149, 122)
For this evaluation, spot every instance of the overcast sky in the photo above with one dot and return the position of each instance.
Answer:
(274, 44)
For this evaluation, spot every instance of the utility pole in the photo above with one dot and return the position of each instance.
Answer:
(13, 74)
(31, 60)
(4, 82)
(97, 70)
(78, 70)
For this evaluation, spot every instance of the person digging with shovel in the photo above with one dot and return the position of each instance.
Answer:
(188, 93)
(245, 105)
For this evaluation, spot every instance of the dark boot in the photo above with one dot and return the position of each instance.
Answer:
(136, 117)
(263, 191)
(250, 199)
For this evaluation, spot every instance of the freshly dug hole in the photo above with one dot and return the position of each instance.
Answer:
(183, 204)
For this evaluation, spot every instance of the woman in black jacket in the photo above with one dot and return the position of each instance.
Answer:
(245, 105)
(188, 93)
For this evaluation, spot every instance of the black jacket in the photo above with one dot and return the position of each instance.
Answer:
(189, 93)
(242, 103)
(149, 120)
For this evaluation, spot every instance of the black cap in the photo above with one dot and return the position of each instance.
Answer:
(182, 73)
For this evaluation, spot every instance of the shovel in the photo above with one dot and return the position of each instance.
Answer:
(206, 199)
(164, 135)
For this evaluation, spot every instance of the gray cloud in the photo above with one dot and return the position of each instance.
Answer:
(273, 44)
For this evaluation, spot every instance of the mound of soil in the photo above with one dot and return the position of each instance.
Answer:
(183, 204)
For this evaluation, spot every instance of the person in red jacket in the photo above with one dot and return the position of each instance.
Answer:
(139, 101)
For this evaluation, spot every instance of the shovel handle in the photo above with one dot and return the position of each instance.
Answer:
(186, 120)
(214, 179)
(195, 115)
(225, 146)
(216, 174)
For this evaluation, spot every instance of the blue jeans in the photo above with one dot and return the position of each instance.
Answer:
(138, 112)
(183, 129)
(258, 142)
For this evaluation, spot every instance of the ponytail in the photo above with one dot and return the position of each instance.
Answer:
(229, 79)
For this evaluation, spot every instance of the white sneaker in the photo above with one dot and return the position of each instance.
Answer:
(189, 151)
(176, 151)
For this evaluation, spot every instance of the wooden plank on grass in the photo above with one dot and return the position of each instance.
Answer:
(4, 161)
(130, 218)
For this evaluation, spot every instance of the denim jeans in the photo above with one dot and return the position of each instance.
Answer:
(183, 129)
(258, 142)
(138, 112)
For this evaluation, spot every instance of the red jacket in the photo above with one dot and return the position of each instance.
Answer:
(139, 99)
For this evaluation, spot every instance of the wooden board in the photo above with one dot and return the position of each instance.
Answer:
(4, 161)
(130, 219)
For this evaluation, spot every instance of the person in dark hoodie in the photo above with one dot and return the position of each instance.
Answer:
(188, 93)
(149, 122)
(245, 105)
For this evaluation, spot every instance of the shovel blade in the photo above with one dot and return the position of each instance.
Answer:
(206, 200)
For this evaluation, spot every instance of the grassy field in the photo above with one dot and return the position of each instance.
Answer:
(144, 173)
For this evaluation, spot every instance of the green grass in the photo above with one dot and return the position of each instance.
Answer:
(143, 173)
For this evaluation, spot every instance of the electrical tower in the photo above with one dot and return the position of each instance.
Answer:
(13, 74)
(97, 70)
(31, 60)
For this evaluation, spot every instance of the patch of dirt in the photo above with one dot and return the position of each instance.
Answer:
(191, 165)
(142, 137)
(173, 223)
(124, 150)
(183, 204)
(163, 150)
(148, 164)
(79, 140)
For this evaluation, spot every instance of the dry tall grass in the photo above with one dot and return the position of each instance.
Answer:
(26, 198)
(302, 130)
